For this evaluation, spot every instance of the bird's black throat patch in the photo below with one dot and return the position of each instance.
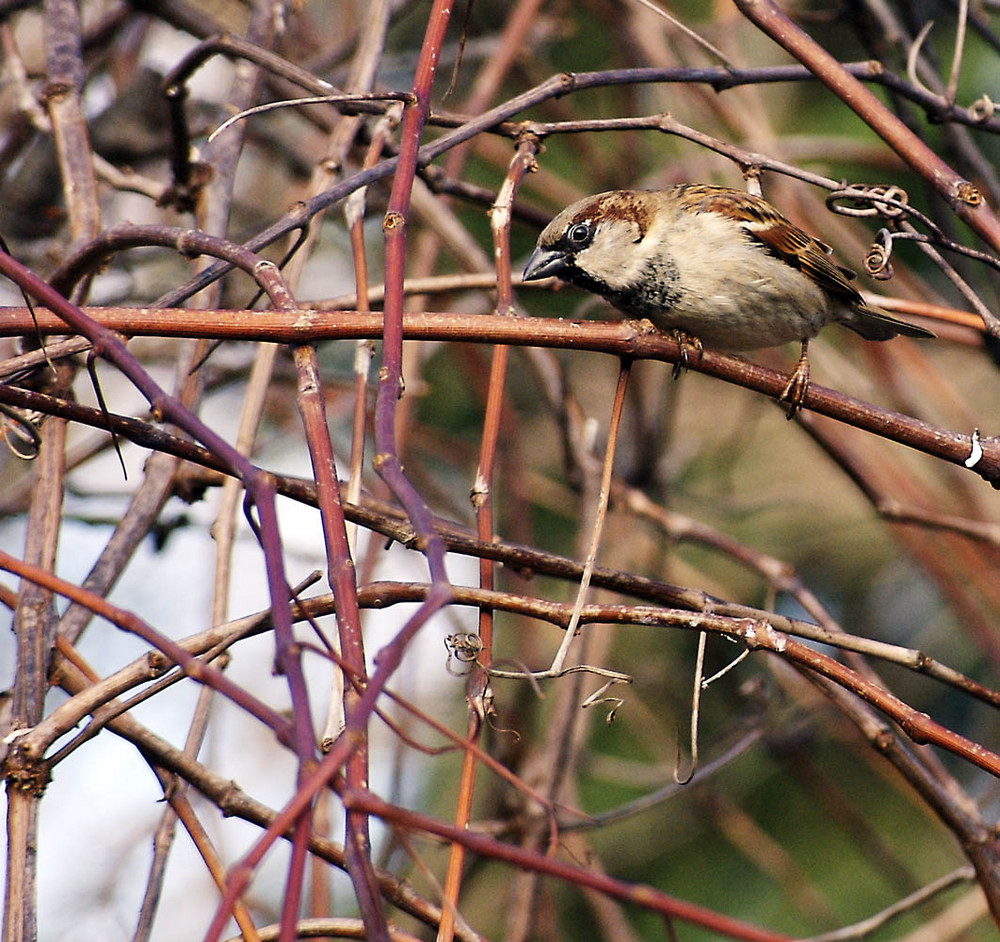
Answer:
(652, 293)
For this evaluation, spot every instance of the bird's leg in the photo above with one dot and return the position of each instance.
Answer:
(687, 346)
(795, 389)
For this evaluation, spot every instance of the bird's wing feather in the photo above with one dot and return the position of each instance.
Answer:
(783, 239)
(763, 223)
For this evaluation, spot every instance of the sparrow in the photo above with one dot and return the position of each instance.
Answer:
(712, 265)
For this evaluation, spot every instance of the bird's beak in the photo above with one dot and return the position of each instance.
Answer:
(544, 262)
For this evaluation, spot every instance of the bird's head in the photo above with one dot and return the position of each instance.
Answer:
(596, 243)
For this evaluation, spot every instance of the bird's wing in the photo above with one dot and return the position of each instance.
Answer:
(764, 224)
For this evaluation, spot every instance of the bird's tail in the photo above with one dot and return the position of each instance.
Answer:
(873, 324)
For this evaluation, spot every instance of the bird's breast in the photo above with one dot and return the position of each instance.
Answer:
(727, 289)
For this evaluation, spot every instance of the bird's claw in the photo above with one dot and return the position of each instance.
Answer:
(690, 350)
(797, 386)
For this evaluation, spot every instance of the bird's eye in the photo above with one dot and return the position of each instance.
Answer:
(579, 233)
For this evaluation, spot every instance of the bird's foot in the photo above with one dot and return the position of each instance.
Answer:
(690, 350)
(795, 389)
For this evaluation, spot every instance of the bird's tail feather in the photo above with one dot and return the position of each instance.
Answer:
(873, 324)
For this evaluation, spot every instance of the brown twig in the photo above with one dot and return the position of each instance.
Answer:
(961, 194)
(620, 339)
(478, 693)
(644, 896)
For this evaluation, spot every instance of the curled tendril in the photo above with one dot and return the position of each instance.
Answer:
(600, 696)
(982, 109)
(877, 262)
(19, 429)
(888, 201)
(464, 647)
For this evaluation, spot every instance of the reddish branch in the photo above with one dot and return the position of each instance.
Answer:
(962, 195)
(615, 338)
(427, 534)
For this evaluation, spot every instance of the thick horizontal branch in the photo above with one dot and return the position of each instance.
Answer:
(618, 338)
(701, 613)
(756, 634)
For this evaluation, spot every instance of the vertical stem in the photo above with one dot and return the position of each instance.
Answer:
(390, 379)
(34, 631)
(342, 580)
(64, 84)
(34, 619)
(521, 164)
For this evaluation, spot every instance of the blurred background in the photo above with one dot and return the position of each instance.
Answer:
(793, 821)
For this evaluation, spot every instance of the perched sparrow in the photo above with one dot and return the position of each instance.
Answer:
(708, 264)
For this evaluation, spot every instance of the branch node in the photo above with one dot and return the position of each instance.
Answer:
(969, 193)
